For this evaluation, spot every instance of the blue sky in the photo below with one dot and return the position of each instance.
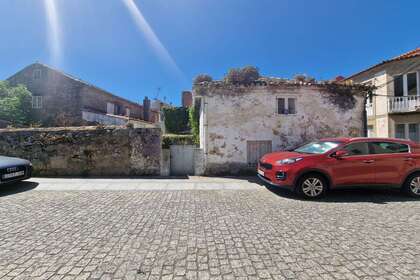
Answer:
(106, 43)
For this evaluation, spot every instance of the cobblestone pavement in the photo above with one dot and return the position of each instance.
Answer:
(205, 233)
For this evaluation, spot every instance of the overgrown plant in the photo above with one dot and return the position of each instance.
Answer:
(194, 120)
(245, 75)
(176, 120)
(304, 78)
(175, 139)
(202, 78)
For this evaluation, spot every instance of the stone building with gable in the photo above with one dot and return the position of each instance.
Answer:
(241, 123)
(62, 100)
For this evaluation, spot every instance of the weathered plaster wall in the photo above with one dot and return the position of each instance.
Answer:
(87, 151)
(234, 115)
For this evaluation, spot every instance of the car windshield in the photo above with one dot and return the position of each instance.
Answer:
(318, 147)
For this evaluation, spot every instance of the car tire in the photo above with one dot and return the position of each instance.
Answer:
(412, 185)
(311, 186)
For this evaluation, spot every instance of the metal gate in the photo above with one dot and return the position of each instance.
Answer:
(256, 149)
(182, 159)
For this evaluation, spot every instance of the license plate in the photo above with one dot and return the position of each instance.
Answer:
(261, 172)
(13, 175)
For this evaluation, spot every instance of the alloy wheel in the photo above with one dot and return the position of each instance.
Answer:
(415, 185)
(313, 187)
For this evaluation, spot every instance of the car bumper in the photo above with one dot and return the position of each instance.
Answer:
(28, 175)
(269, 182)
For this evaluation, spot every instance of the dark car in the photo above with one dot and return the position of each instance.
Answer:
(314, 168)
(14, 169)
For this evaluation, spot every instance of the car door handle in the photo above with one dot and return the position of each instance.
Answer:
(408, 159)
(369, 161)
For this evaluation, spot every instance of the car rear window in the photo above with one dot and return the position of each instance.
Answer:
(388, 148)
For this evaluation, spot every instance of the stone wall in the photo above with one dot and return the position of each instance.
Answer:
(235, 116)
(86, 151)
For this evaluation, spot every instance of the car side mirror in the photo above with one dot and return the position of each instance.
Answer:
(339, 154)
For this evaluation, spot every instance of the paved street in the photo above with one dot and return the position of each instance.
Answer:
(202, 228)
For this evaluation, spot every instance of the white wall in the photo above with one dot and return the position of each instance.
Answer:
(230, 119)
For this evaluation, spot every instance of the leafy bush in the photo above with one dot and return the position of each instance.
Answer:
(176, 119)
(245, 75)
(194, 120)
(202, 78)
(176, 139)
(15, 104)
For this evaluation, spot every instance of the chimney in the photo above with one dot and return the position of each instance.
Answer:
(187, 99)
(146, 109)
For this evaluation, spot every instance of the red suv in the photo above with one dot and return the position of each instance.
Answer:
(313, 168)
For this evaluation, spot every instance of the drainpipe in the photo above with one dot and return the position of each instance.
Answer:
(365, 119)
(204, 130)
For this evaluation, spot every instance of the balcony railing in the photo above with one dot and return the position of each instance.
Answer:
(404, 104)
(369, 109)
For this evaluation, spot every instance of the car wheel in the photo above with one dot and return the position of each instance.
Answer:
(412, 185)
(311, 186)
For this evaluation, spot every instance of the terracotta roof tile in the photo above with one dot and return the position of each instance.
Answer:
(407, 55)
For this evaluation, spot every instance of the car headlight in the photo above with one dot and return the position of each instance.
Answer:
(288, 160)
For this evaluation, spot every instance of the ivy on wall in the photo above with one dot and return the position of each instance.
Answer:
(176, 120)
(194, 120)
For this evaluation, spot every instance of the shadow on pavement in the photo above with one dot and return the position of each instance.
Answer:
(369, 195)
(15, 188)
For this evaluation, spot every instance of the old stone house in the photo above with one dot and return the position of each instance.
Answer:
(62, 100)
(394, 108)
(240, 123)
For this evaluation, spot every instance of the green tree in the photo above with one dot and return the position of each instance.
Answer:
(15, 104)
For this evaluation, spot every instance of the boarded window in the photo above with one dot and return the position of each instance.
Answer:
(256, 149)
(398, 86)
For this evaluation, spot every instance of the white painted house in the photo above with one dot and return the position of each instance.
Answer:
(238, 124)
(394, 109)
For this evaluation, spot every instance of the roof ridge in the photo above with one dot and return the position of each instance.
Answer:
(410, 54)
(83, 82)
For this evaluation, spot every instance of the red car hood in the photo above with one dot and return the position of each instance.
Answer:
(273, 157)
